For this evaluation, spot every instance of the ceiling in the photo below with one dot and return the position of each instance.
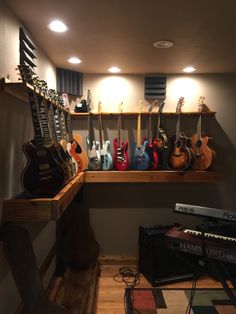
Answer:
(105, 33)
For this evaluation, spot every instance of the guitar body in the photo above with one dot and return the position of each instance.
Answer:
(140, 159)
(76, 161)
(180, 156)
(93, 155)
(120, 157)
(71, 162)
(203, 154)
(153, 155)
(106, 158)
(43, 175)
(64, 159)
(77, 139)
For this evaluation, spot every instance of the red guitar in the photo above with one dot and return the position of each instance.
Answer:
(120, 157)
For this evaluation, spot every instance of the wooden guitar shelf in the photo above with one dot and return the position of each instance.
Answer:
(150, 176)
(42, 209)
(144, 113)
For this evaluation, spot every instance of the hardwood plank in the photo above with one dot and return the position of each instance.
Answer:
(42, 209)
(112, 114)
(150, 176)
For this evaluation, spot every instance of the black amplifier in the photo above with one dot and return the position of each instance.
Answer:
(159, 264)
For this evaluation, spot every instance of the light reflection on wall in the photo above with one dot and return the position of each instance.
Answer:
(189, 88)
(111, 90)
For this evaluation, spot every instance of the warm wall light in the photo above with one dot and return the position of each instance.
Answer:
(114, 70)
(189, 69)
(57, 26)
(74, 60)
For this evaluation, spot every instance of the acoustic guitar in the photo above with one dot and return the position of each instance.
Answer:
(203, 154)
(75, 140)
(104, 146)
(120, 155)
(92, 144)
(43, 175)
(140, 159)
(180, 155)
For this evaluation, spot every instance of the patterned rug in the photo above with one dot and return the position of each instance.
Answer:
(175, 301)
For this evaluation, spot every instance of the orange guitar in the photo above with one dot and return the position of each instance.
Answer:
(203, 154)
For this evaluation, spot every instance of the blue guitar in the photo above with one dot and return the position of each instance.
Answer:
(140, 159)
(104, 146)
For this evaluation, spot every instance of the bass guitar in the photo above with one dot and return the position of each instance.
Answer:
(120, 155)
(43, 175)
(92, 145)
(180, 156)
(104, 146)
(203, 154)
(140, 159)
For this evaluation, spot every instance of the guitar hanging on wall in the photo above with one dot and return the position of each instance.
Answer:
(180, 156)
(203, 154)
(74, 138)
(43, 175)
(152, 143)
(104, 146)
(92, 144)
(120, 155)
(140, 159)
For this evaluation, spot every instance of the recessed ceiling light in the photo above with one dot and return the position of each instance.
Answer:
(114, 70)
(163, 44)
(189, 69)
(58, 26)
(74, 60)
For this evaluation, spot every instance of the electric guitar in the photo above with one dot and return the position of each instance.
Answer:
(43, 175)
(75, 140)
(180, 156)
(203, 154)
(140, 159)
(152, 143)
(104, 146)
(120, 155)
(92, 145)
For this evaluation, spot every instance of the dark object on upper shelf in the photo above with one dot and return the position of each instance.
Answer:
(69, 82)
(27, 56)
(82, 106)
(155, 87)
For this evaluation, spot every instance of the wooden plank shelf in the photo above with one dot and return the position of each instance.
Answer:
(151, 176)
(111, 114)
(42, 209)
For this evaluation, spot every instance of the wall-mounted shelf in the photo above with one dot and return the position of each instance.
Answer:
(110, 114)
(42, 209)
(151, 176)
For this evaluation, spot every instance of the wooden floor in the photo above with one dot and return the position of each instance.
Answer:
(110, 298)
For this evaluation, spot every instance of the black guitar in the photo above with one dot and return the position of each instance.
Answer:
(43, 175)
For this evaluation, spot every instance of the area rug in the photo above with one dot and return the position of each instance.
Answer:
(175, 301)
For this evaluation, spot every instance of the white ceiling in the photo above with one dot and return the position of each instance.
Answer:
(108, 32)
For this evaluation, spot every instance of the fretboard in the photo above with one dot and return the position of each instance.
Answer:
(119, 130)
(100, 130)
(44, 121)
(199, 127)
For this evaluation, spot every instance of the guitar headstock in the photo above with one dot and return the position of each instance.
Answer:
(89, 99)
(180, 104)
(201, 103)
(161, 106)
(152, 105)
(140, 106)
(26, 74)
(120, 108)
(99, 107)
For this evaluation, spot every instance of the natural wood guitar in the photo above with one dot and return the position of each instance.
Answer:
(203, 154)
(180, 156)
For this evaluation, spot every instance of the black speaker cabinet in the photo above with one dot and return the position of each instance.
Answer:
(158, 263)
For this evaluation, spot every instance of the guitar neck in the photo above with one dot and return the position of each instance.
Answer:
(100, 130)
(150, 128)
(199, 127)
(139, 130)
(90, 130)
(63, 125)
(57, 124)
(178, 128)
(119, 130)
(51, 121)
(35, 118)
(44, 120)
(68, 125)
